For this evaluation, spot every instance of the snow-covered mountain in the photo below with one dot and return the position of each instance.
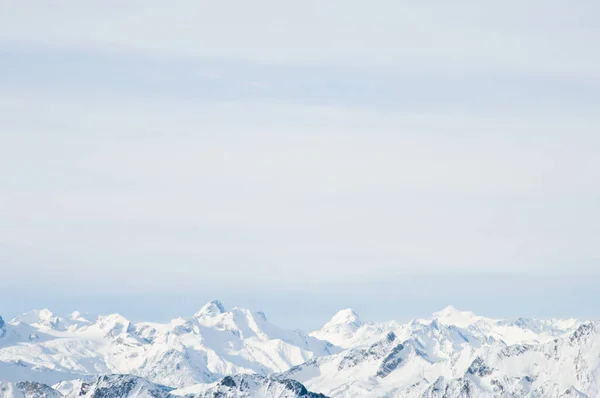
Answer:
(46, 320)
(456, 354)
(210, 345)
(239, 353)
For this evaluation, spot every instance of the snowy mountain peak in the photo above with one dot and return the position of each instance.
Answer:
(77, 316)
(342, 326)
(210, 309)
(448, 310)
(113, 325)
(348, 317)
(46, 320)
(452, 316)
(43, 317)
(46, 314)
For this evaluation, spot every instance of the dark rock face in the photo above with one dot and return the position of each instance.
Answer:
(514, 350)
(313, 362)
(375, 351)
(580, 335)
(391, 362)
(120, 386)
(121, 389)
(298, 388)
(457, 388)
(247, 385)
(37, 390)
(479, 368)
(228, 382)
(2, 323)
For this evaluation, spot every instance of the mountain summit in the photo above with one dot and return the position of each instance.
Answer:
(342, 326)
(210, 309)
(346, 317)
(452, 316)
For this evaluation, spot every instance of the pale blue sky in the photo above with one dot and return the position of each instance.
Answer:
(393, 156)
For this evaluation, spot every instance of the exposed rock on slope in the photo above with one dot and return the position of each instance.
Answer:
(239, 386)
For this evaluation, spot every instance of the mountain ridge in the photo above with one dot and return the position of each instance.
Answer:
(451, 351)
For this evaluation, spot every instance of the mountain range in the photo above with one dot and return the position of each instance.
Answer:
(240, 353)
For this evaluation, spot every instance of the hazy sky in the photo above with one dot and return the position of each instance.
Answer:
(296, 158)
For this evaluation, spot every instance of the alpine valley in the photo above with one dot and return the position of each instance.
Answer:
(239, 353)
